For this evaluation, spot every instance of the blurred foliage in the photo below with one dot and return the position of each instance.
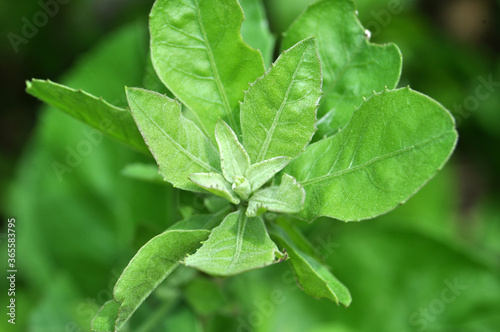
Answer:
(76, 233)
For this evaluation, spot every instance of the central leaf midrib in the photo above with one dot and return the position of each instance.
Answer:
(374, 160)
(213, 67)
(270, 133)
(242, 222)
(177, 145)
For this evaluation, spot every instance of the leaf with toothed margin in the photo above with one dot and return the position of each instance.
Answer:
(313, 276)
(395, 142)
(234, 158)
(278, 113)
(258, 174)
(288, 197)
(216, 184)
(150, 266)
(237, 245)
(352, 66)
(178, 145)
(198, 53)
(110, 120)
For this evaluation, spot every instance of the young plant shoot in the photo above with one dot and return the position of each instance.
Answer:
(322, 132)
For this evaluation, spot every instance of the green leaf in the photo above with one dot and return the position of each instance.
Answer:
(255, 29)
(314, 277)
(288, 197)
(352, 66)
(203, 62)
(108, 119)
(149, 267)
(395, 142)
(145, 172)
(177, 144)
(278, 113)
(258, 174)
(237, 245)
(234, 159)
(216, 184)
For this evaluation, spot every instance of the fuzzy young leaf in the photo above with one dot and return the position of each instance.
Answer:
(234, 159)
(149, 267)
(288, 197)
(177, 144)
(258, 174)
(395, 142)
(216, 184)
(352, 66)
(237, 245)
(111, 120)
(203, 62)
(314, 277)
(278, 113)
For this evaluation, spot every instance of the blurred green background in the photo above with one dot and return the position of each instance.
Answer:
(431, 265)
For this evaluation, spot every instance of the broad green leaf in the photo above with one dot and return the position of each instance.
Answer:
(255, 29)
(234, 159)
(106, 118)
(278, 114)
(314, 277)
(198, 53)
(216, 184)
(237, 245)
(395, 142)
(288, 197)
(145, 172)
(352, 66)
(258, 174)
(177, 144)
(149, 267)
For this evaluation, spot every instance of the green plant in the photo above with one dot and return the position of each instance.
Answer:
(301, 141)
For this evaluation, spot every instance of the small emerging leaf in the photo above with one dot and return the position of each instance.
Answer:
(234, 158)
(216, 184)
(278, 114)
(237, 245)
(178, 145)
(395, 142)
(111, 120)
(314, 277)
(352, 66)
(288, 197)
(242, 187)
(258, 174)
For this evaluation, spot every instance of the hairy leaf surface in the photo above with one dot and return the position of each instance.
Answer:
(395, 142)
(278, 114)
(352, 66)
(177, 144)
(198, 53)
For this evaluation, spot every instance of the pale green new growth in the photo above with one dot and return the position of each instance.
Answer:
(216, 184)
(352, 66)
(288, 197)
(234, 158)
(278, 113)
(258, 174)
(198, 52)
(239, 244)
(178, 145)
(394, 143)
